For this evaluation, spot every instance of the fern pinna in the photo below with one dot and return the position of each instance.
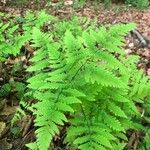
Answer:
(78, 74)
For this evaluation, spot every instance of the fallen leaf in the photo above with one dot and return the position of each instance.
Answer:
(146, 53)
(148, 71)
(29, 48)
(8, 110)
(4, 145)
(68, 2)
(131, 45)
(128, 51)
(2, 103)
(2, 127)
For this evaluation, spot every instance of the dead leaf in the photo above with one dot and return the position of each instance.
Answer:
(2, 127)
(29, 48)
(8, 110)
(26, 124)
(68, 2)
(146, 53)
(128, 51)
(131, 45)
(148, 71)
(3, 1)
(2, 103)
(4, 145)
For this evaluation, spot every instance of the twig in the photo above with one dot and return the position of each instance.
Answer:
(139, 37)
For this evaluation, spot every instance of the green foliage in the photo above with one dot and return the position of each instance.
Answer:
(79, 3)
(5, 89)
(6, 38)
(138, 3)
(146, 140)
(79, 75)
(13, 87)
(75, 71)
(145, 145)
(107, 3)
(10, 44)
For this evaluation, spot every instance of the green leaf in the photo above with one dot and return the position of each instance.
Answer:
(116, 110)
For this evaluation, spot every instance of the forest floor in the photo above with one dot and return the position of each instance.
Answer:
(10, 138)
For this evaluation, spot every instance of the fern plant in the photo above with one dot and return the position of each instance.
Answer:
(26, 25)
(6, 31)
(11, 43)
(88, 76)
(11, 40)
(81, 76)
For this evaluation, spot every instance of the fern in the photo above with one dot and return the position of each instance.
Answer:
(10, 44)
(76, 72)
(12, 41)
(76, 78)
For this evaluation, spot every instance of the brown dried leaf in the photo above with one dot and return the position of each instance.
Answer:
(4, 145)
(29, 48)
(68, 2)
(148, 71)
(8, 111)
(2, 127)
(146, 53)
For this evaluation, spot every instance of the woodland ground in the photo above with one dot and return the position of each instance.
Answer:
(16, 137)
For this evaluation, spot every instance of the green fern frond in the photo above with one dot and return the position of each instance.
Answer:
(84, 133)
(97, 74)
(116, 110)
(75, 72)
(112, 122)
